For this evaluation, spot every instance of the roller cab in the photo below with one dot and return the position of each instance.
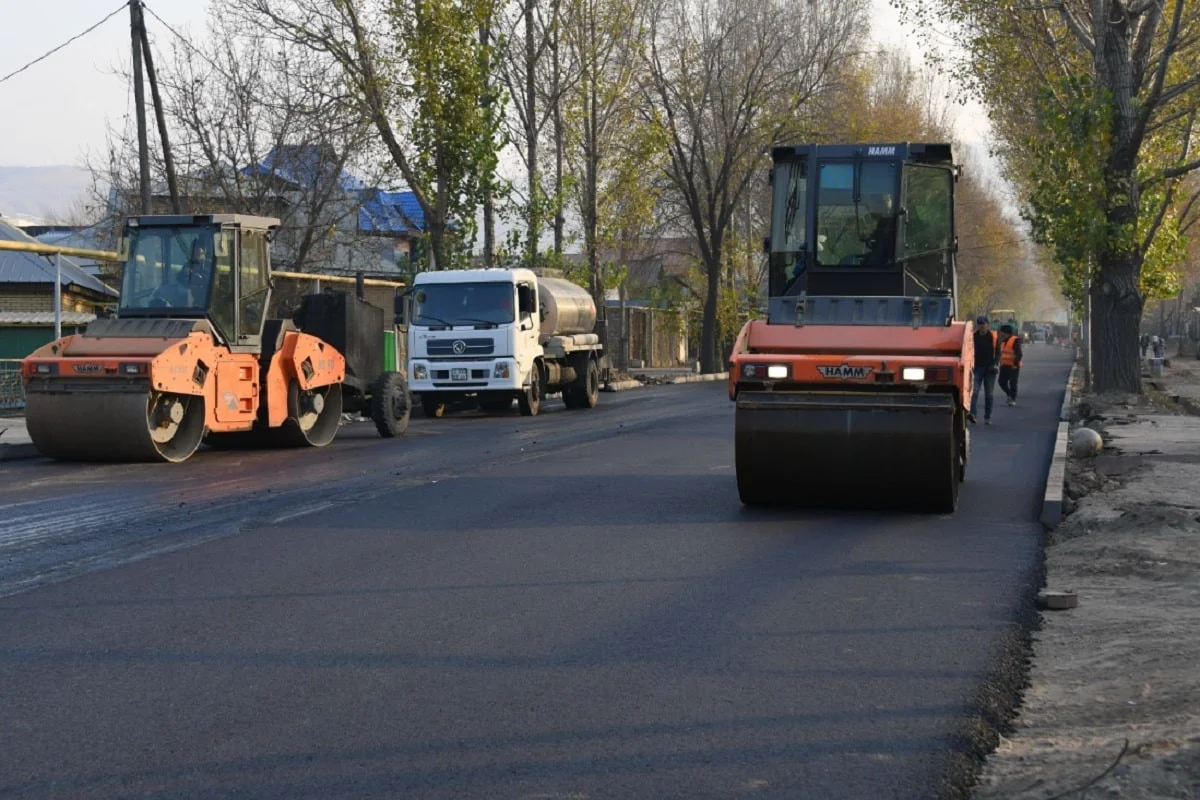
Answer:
(189, 354)
(853, 391)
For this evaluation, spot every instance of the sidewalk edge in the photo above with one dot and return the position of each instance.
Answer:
(1056, 477)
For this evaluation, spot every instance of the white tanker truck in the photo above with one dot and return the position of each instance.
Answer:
(495, 335)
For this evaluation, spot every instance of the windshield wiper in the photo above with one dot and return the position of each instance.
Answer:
(438, 320)
(487, 322)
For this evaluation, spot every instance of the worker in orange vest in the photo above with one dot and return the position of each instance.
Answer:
(1011, 354)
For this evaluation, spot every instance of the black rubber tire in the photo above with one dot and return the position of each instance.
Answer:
(589, 394)
(391, 405)
(946, 499)
(432, 407)
(530, 400)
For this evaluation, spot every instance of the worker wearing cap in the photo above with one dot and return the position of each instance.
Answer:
(1011, 355)
(987, 360)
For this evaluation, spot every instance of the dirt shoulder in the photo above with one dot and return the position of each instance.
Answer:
(1124, 666)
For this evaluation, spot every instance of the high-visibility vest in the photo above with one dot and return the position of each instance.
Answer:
(1008, 353)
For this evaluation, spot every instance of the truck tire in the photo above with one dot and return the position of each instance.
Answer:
(432, 406)
(391, 405)
(530, 400)
(589, 394)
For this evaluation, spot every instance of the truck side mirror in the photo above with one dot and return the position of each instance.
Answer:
(525, 299)
(400, 309)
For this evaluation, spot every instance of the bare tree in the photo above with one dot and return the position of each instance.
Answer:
(255, 130)
(730, 78)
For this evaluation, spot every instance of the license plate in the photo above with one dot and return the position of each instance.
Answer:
(458, 374)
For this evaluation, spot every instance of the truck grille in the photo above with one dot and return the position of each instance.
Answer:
(469, 347)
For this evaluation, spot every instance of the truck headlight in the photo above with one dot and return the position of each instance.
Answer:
(501, 370)
(913, 373)
(420, 372)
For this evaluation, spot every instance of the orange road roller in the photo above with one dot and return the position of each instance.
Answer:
(854, 391)
(190, 354)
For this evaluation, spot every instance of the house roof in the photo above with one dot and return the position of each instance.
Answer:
(391, 212)
(303, 164)
(44, 318)
(19, 267)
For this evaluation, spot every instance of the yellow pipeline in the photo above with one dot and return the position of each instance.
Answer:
(109, 255)
(50, 249)
(312, 276)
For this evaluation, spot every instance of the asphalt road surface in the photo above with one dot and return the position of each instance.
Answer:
(570, 606)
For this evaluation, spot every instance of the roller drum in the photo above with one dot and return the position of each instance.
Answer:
(113, 426)
(846, 450)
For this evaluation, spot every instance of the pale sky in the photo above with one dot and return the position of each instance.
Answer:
(56, 111)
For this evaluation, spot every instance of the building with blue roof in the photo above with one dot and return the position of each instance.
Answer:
(27, 296)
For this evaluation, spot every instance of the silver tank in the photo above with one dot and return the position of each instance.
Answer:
(569, 308)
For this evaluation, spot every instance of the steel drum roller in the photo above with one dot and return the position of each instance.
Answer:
(864, 451)
(129, 425)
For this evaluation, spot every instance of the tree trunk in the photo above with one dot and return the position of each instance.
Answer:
(1116, 319)
(531, 136)
(708, 328)
(559, 134)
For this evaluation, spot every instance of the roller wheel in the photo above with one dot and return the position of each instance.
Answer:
(945, 498)
(115, 426)
(530, 400)
(313, 415)
(432, 406)
(391, 405)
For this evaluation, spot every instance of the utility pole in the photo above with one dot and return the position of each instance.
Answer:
(136, 24)
(159, 117)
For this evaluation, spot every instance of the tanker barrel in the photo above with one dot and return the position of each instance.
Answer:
(569, 308)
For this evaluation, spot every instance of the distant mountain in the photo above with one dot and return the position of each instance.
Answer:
(42, 194)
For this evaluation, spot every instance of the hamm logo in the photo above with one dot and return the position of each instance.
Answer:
(845, 372)
(87, 369)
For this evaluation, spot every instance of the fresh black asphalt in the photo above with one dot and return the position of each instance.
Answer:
(570, 606)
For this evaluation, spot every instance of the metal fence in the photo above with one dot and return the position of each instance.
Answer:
(12, 392)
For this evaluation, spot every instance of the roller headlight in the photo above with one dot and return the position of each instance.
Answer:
(766, 372)
(913, 373)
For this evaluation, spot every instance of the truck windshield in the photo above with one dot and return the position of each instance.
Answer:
(464, 304)
(168, 268)
(856, 214)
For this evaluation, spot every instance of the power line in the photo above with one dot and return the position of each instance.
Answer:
(43, 57)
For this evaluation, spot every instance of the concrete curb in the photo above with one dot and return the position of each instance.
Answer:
(1052, 499)
(15, 452)
(716, 376)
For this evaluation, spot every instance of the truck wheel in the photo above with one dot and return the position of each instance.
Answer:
(530, 400)
(432, 406)
(391, 405)
(589, 395)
